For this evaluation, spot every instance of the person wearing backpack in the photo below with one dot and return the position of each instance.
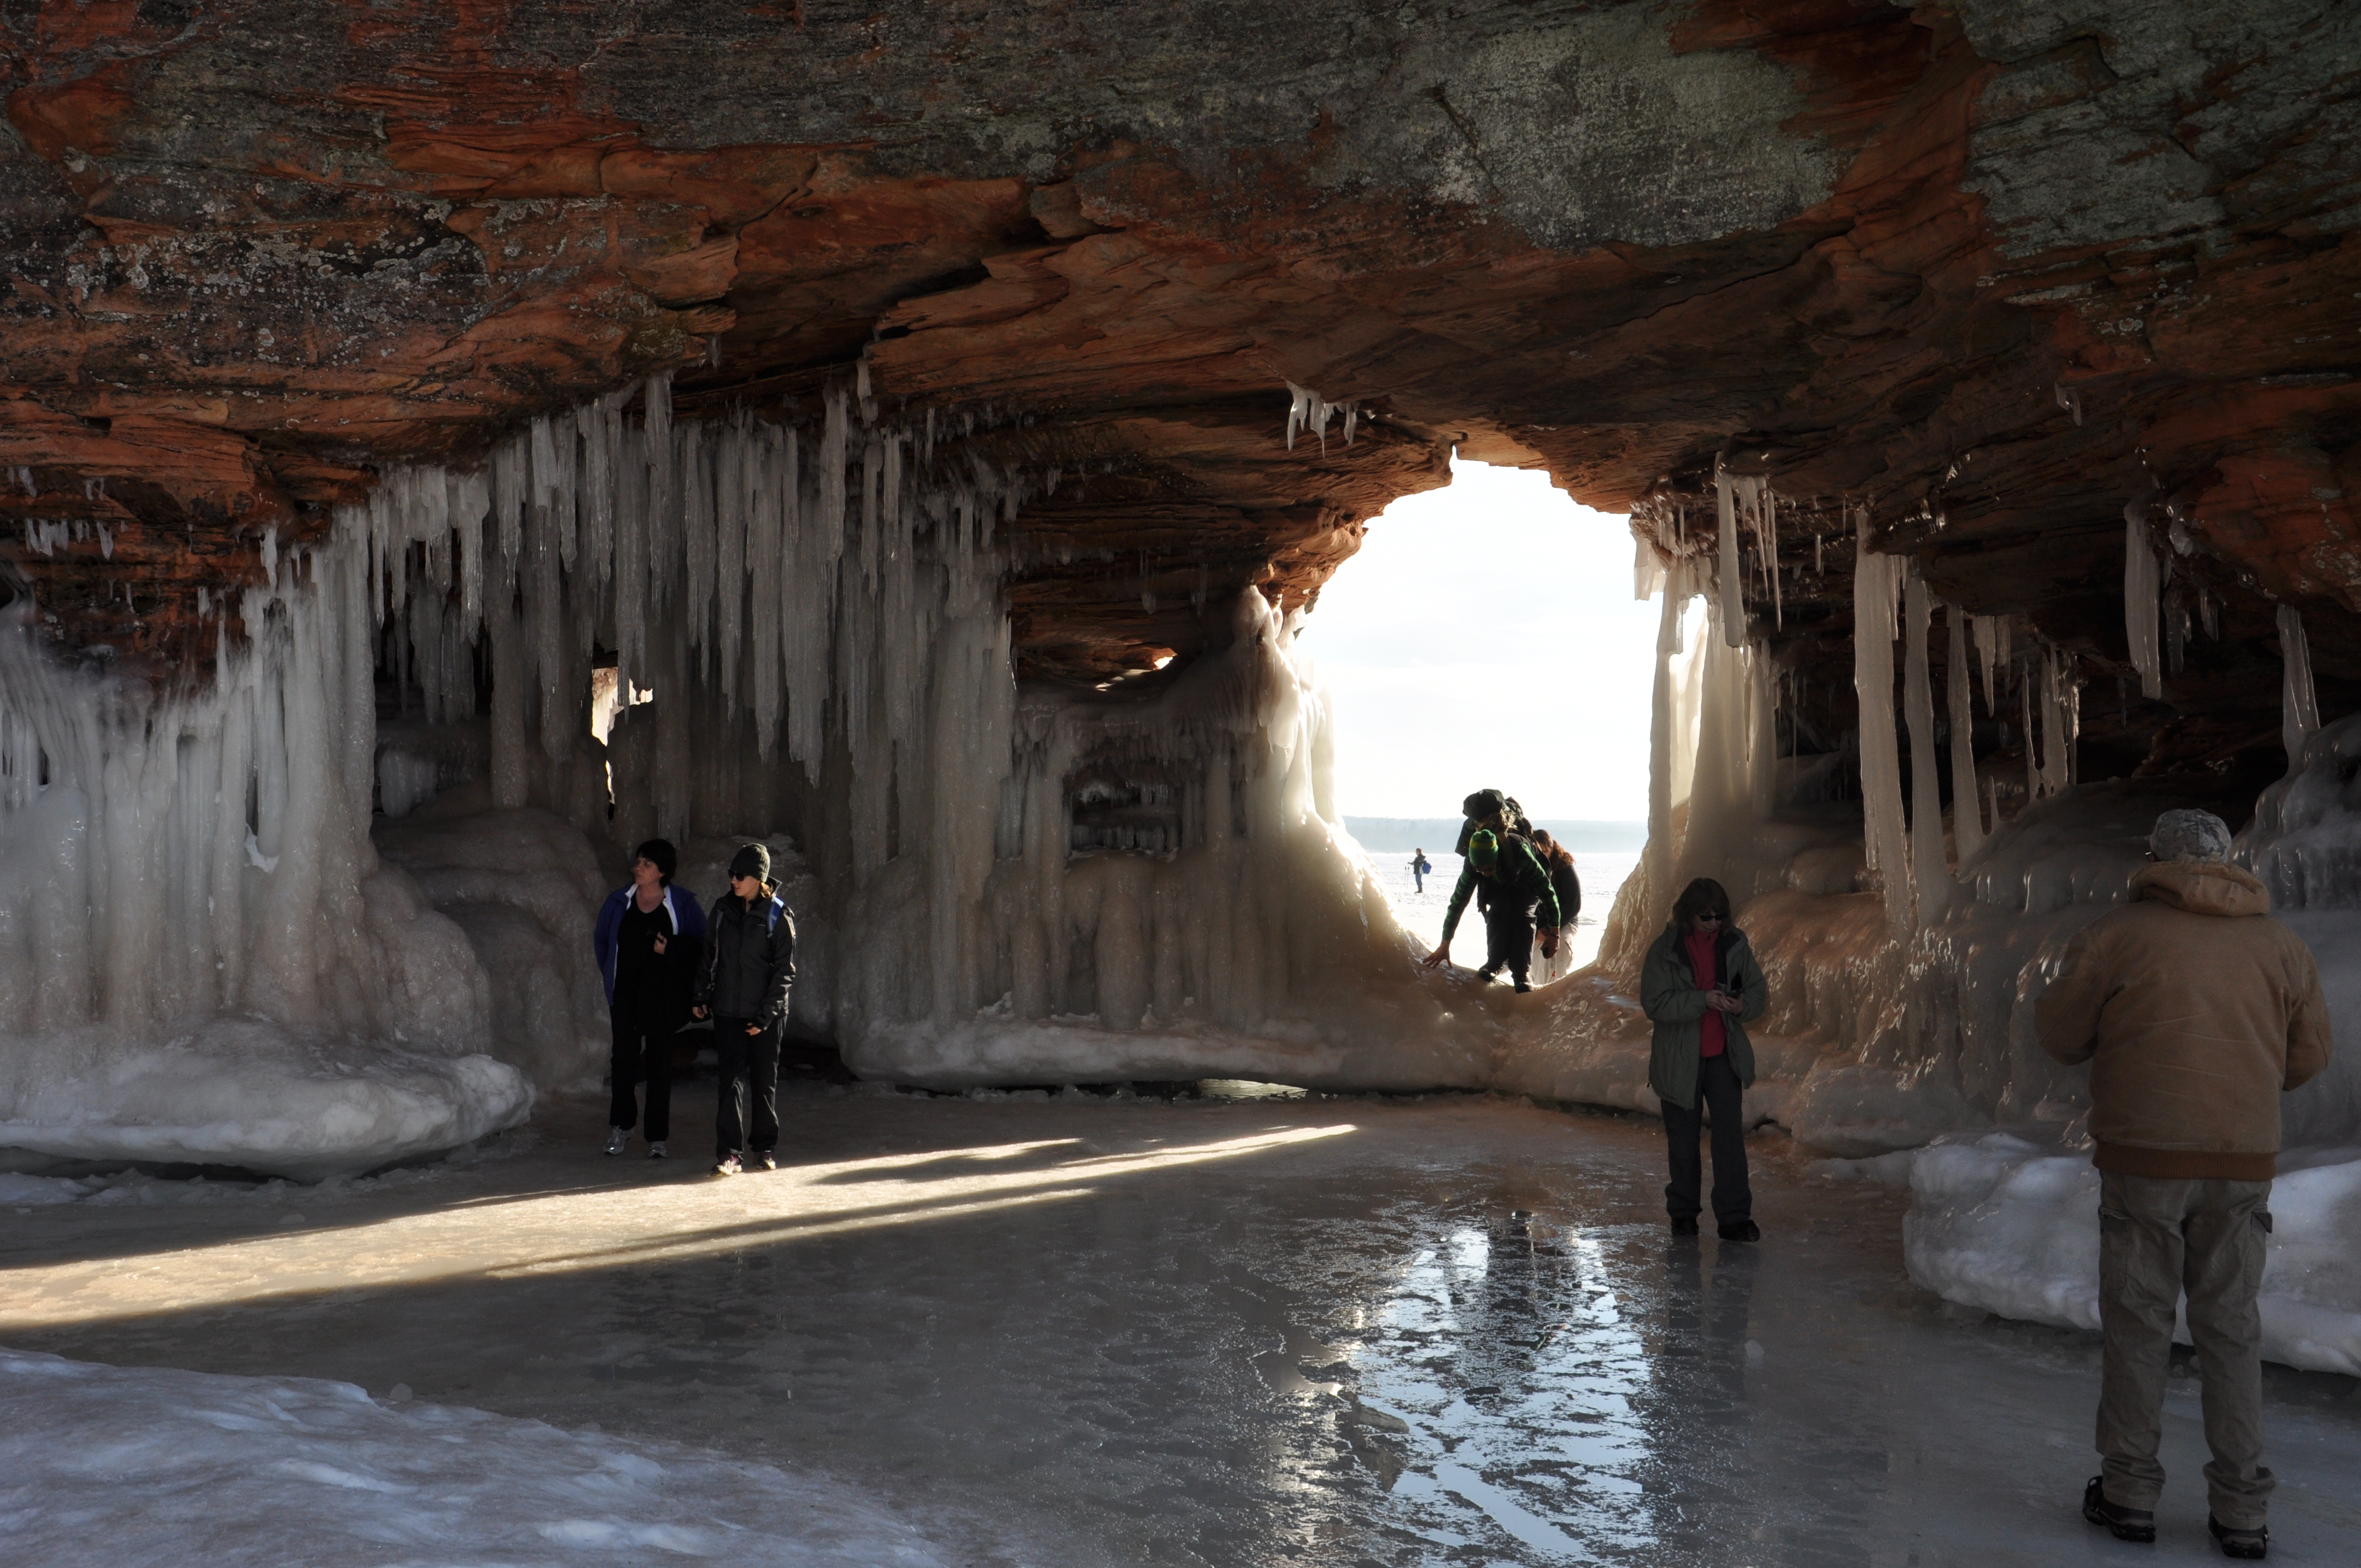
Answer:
(1518, 895)
(750, 963)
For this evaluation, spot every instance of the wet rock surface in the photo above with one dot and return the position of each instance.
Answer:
(1989, 273)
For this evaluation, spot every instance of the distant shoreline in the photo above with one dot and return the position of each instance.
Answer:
(1436, 835)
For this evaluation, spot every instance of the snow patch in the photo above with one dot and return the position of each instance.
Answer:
(292, 1469)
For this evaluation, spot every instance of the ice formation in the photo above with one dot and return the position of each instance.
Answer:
(2143, 596)
(2299, 706)
(201, 959)
(2010, 1224)
(297, 1469)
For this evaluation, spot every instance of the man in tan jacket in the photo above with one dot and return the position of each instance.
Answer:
(2195, 1009)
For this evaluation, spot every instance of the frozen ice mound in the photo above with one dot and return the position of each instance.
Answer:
(524, 886)
(249, 1094)
(300, 1470)
(2011, 1225)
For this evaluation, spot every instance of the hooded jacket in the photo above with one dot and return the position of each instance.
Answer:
(1519, 883)
(2195, 1009)
(749, 960)
(1671, 994)
(688, 920)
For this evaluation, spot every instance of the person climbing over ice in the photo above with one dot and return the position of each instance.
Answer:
(1520, 898)
(1418, 866)
(750, 964)
(1489, 808)
(2196, 1010)
(647, 940)
(1699, 986)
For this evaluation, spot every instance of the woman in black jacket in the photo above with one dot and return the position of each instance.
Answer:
(749, 962)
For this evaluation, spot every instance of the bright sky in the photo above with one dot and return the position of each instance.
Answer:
(1485, 637)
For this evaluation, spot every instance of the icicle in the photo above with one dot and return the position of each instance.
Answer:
(470, 500)
(1768, 500)
(2299, 702)
(1987, 630)
(1884, 840)
(2141, 591)
(1929, 880)
(2209, 613)
(1733, 592)
(1967, 805)
(1647, 571)
(510, 472)
(1817, 570)
(729, 526)
(1299, 410)
(2025, 726)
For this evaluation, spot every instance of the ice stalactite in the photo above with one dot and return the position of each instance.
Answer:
(2143, 590)
(1732, 591)
(1967, 796)
(2299, 700)
(200, 958)
(1930, 880)
(1307, 409)
(1884, 841)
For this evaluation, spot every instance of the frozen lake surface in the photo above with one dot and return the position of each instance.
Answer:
(1068, 1331)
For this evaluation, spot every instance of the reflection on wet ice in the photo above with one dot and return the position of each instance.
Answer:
(1500, 1399)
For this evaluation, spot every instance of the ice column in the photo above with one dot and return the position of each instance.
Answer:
(2299, 702)
(1929, 880)
(1883, 842)
(2143, 590)
(1967, 806)
(1733, 591)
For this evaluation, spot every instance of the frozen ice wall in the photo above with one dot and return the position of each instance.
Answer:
(201, 959)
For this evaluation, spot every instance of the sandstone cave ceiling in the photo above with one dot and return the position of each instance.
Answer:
(1988, 271)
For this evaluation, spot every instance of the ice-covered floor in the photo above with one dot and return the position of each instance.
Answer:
(1334, 1332)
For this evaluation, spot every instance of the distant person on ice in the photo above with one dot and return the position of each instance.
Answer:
(1698, 985)
(1520, 895)
(647, 942)
(2196, 1010)
(1418, 866)
(749, 962)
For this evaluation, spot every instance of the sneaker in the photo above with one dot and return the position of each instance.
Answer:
(764, 1160)
(2250, 1543)
(657, 1151)
(1684, 1227)
(1744, 1230)
(726, 1166)
(2123, 1524)
(616, 1139)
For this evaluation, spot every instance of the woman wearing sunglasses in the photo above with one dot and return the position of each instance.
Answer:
(1699, 985)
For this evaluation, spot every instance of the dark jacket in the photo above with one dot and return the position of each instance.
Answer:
(1568, 888)
(687, 922)
(1519, 883)
(749, 961)
(2196, 1010)
(1671, 994)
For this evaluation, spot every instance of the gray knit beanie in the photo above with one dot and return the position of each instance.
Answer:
(752, 860)
(2189, 837)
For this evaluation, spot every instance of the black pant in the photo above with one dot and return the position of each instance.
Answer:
(1508, 942)
(642, 1053)
(1733, 1199)
(745, 1057)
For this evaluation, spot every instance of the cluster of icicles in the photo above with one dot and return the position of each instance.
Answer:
(1739, 562)
(800, 573)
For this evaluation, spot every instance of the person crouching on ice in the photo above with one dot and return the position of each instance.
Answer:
(749, 962)
(2196, 1010)
(1519, 894)
(647, 946)
(1698, 985)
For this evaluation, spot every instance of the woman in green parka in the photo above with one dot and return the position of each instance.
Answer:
(1698, 985)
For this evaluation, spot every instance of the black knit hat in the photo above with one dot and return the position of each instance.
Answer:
(752, 860)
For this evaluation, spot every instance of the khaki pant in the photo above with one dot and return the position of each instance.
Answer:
(2158, 1237)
